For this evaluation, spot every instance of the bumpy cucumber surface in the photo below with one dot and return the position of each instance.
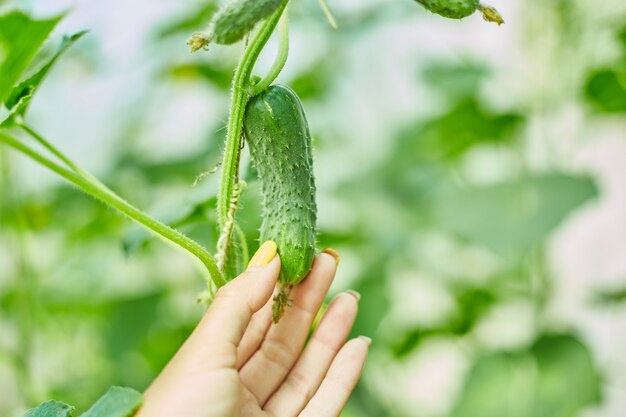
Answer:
(453, 9)
(277, 133)
(238, 17)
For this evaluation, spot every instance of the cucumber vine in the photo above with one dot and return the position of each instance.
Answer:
(233, 22)
(240, 95)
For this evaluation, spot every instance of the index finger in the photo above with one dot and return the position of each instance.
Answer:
(231, 311)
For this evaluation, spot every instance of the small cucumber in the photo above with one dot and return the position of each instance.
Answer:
(458, 9)
(453, 9)
(277, 133)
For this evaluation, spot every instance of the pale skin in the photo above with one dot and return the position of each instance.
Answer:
(237, 363)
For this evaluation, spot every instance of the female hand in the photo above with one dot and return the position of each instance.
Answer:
(237, 363)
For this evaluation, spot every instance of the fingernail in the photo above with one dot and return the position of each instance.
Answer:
(264, 255)
(354, 294)
(366, 339)
(333, 253)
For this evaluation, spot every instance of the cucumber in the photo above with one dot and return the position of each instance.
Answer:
(277, 133)
(458, 9)
(453, 9)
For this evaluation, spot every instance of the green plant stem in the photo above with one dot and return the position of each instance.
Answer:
(239, 98)
(328, 13)
(281, 57)
(121, 205)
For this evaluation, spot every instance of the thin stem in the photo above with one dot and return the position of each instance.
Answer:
(281, 57)
(328, 13)
(121, 205)
(239, 99)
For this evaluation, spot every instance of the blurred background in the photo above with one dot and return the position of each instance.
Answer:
(470, 175)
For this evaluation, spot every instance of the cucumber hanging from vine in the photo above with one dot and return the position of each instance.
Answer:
(277, 134)
(231, 23)
(458, 9)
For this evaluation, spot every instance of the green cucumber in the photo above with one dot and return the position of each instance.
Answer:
(277, 134)
(458, 9)
(453, 9)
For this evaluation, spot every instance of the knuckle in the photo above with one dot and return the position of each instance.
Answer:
(299, 385)
(278, 352)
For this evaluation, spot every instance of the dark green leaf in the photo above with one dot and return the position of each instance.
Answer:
(606, 90)
(20, 39)
(511, 217)
(568, 380)
(51, 409)
(466, 125)
(116, 402)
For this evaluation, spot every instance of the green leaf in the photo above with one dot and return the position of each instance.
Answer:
(238, 17)
(448, 137)
(568, 380)
(498, 385)
(605, 89)
(511, 217)
(116, 402)
(21, 95)
(555, 378)
(20, 39)
(51, 409)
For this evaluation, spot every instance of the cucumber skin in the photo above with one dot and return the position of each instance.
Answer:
(277, 133)
(453, 9)
(237, 18)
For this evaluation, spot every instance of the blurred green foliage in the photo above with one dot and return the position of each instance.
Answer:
(88, 301)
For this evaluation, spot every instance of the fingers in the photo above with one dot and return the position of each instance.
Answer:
(231, 311)
(266, 369)
(208, 356)
(307, 375)
(254, 335)
(340, 380)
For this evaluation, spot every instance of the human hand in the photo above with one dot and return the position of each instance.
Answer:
(236, 363)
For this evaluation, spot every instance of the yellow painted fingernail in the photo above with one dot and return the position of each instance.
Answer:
(333, 253)
(264, 255)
